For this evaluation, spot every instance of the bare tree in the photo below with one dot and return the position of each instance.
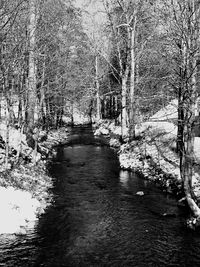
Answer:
(31, 92)
(183, 33)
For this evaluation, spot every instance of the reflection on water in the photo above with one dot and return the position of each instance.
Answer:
(124, 178)
(18, 250)
(98, 220)
(105, 223)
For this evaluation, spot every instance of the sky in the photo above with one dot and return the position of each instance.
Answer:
(92, 6)
(94, 19)
(94, 14)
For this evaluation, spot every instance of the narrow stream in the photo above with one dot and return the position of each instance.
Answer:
(98, 220)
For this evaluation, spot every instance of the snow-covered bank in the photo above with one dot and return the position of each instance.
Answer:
(18, 210)
(153, 152)
(24, 189)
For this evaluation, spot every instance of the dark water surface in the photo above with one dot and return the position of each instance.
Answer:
(98, 220)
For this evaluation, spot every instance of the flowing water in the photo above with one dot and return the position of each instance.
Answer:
(97, 219)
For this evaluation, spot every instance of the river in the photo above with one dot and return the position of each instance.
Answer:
(97, 218)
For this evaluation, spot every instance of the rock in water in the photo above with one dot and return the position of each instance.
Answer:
(140, 193)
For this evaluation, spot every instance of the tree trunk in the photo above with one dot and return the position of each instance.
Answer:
(72, 113)
(7, 116)
(124, 104)
(132, 84)
(188, 161)
(20, 115)
(31, 96)
(97, 90)
(190, 106)
(180, 129)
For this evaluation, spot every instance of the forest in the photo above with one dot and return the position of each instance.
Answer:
(61, 64)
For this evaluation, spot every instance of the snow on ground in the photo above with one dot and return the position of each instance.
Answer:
(167, 113)
(78, 117)
(105, 127)
(158, 143)
(18, 210)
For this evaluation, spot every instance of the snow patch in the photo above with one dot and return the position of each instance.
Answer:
(167, 113)
(18, 209)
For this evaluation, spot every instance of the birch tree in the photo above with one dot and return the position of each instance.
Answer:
(133, 25)
(31, 92)
(121, 46)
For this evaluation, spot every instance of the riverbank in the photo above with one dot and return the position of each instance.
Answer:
(153, 152)
(24, 188)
